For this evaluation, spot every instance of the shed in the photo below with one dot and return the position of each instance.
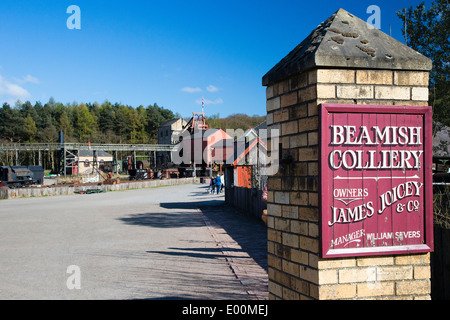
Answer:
(245, 175)
(87, 159)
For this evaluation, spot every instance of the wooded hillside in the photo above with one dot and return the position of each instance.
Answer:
(97, 123)
(234, 121)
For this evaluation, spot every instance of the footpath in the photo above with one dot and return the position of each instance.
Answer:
(243, 242)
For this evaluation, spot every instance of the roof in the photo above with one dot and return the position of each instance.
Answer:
(241, 147)
(261, 126)
(255, 132)
(170, 122)
(214, 132)
(344, 40)
(90, 153)
(224, 143)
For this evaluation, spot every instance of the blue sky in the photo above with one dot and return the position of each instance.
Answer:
(169, 52)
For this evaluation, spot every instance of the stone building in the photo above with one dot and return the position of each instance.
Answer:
(169, 131)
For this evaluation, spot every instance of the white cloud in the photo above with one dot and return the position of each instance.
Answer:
(209, 88)
(27, 79)
(217, 101)
(30, 78)
(191, 89)
(11, 92)
(212, 88)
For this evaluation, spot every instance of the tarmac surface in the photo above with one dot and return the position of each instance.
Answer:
(163, 243)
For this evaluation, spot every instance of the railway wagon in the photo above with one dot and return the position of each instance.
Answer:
(21, 176)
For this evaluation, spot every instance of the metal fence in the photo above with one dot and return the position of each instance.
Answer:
(441, 204)
(440, 258)
(85, 146)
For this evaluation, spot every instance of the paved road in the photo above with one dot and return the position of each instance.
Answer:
(142, 244)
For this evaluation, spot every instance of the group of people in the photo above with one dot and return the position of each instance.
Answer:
(216, 184)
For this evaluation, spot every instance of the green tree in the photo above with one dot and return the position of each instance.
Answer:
(142, 135)
(29, 129)
(49, 134)
(156, 116)
(106, 123)
(11, 121)
(107, 117)
(44, 116)
(120, 122)
(428, 32)
(65, 125)
(213, 121)
(86, 123)
(133, 123)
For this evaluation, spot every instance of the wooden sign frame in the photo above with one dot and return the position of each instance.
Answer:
(376, 180)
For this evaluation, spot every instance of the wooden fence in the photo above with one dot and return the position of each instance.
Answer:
(247, 200)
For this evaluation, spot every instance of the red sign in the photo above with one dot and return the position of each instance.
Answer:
(376, 180)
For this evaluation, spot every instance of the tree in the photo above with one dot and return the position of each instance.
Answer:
(44, 116)
(48, 134)
(156, 116)
(85, 124)
(51, 102)
(11, 122)
(142, 135)
(107, 117)
(234, 121)
(106, 123)
(65, 125)
(428, 32)
(29, 129)
(213, 121)
(120, 122)
(133, 123)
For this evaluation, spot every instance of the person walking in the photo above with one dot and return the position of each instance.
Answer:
(218, 183)
(212, 185)
(222, 182)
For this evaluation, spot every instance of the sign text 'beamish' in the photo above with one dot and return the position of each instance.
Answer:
(375, 180)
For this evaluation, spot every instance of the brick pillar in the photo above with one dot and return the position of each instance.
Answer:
(368, 67)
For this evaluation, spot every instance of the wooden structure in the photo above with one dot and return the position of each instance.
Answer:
(244, 177)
